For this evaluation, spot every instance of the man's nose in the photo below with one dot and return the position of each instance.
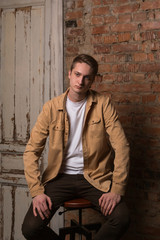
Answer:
(81, 80)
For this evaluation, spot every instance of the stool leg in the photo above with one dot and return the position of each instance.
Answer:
(80, 222)
(72, 236)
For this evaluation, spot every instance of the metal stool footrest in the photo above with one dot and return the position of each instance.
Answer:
(78, 227)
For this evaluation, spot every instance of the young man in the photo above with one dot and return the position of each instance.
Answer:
(82, 125)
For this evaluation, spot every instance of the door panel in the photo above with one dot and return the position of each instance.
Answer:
(31, 72)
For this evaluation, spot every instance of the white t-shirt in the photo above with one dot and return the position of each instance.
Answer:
(73, 161)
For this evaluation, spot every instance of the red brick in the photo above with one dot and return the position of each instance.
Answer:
(98, 78)
(100, 30)
(117, 68)
(105, 87)
(132, 67)
(152, 132)
(151, 77)
(74, 15)
(127, 98)
(150, 57)
(104, 68)
(80, 23)
(70, 5)
(109, 77)
(97, 39)
(148, 98)
(156, 87)
(156, 120)
(135, 88)
(110, 39)
(149, 35)
(125, 47)
(79, 3)
(138, 77)
(139, 17)
(140, 57)
(150, 5)
(76, 32)
(152, 110)
(123, 78)
(150, 15)
(101, 49)
(99, 57)
(123, 37)
(124, 27)
(150, 46)
(126, 8)
(96, 2)
(157, 34)
(97, 20)
(110, 19)
(150, 25)
(105, 2)
(120, 58)
(109, 58)
(137, 36)
(71, 50)
(125, 18)
(157, 14)
(150, 67)
(100, 11)
(122, 1)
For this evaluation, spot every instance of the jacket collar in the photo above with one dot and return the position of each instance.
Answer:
(91, 98)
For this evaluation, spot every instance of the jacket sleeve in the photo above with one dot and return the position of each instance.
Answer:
(33, 152)
(120, 146)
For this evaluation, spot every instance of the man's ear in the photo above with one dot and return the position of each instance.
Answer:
(69, 74)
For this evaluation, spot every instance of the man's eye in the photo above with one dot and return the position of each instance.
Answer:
(88, 78)
(77, 74)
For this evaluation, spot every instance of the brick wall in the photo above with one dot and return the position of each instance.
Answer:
(124, 36)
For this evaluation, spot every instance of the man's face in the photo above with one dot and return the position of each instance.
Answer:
(81, 79)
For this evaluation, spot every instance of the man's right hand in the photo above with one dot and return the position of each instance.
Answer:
(42, 204)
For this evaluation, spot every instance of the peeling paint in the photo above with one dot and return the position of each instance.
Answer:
(28, 126)
(30, 74)
(13, 212)
(1, 123)
(24, 9)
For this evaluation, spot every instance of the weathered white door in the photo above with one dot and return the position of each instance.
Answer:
(31, 72)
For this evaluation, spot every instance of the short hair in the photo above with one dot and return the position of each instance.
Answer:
(84, 58)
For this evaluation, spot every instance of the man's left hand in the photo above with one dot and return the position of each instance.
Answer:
(108, 201)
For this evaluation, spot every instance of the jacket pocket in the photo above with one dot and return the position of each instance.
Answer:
(58, 127)
(56, 132)
(95, 128)
(94, 121)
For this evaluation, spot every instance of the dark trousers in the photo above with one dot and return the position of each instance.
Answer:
(66, 187)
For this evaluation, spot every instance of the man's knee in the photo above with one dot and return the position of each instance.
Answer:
(121, 216)
(28, 230)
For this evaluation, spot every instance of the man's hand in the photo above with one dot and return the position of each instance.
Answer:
(42, 203)
(108, 201)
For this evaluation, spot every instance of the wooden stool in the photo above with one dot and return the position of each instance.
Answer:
(77, 227)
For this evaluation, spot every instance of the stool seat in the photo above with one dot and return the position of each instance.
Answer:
(78, 203)
(77, 227)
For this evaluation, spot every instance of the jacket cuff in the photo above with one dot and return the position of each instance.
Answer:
(118, 189)
(37, 192)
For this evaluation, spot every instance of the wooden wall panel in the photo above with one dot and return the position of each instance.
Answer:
(7, 74)
(7, 212)
(22, 68)
(16, 201)
(31, 72)
(37, 68)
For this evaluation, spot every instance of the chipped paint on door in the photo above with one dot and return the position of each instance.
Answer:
(31, 63)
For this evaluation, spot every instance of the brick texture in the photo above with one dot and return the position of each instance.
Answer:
(124, 37)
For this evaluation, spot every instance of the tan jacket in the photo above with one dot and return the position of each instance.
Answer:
(101, 128)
